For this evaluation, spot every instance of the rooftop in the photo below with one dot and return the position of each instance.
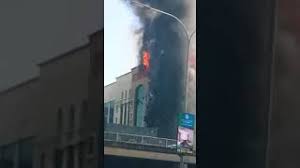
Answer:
(57, 58)
(61, 56)
(22, 84)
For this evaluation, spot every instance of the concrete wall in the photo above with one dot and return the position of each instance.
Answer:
(114, 91)
(31, 108)
(124, 83)
(19, 112)
(111, 92)
(124, 86)
(63, 82)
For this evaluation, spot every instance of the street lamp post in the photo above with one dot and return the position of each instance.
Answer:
(188, 38)
(187, 69)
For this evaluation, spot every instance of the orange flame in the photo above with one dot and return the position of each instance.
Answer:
(146, 60)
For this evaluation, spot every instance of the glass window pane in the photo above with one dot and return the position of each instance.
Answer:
(9, 154)
(26, 154)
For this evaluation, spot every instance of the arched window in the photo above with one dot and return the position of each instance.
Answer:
(139, 106)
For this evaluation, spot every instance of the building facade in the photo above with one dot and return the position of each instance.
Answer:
(125, 103)
(49, 121)
(125, 99)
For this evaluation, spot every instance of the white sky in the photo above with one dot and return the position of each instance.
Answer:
(120, 44)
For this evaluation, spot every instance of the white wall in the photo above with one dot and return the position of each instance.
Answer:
(114, 91)
(64, 82)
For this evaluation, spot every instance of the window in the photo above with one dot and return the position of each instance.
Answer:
(128, 112)
(25, 153)
(70, 157)
(139, 104)
(125, 109)
(58, 155)
(91, 145)
(121, 115)
(8, 158)
(106, 111)
(72, 116)
(59, 120)
(80, 155)
(125, 114)
(111, 112)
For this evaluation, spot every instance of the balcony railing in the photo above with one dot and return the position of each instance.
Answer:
(140, 140)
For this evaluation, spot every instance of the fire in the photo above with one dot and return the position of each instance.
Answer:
(146, 60)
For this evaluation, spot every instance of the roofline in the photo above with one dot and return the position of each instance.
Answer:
(59, 57)
(31, 80)
(109, 84)
(136, 67)
(71, 51)
(127, 72)
(123, 75)
(19, 85)
(97, 32)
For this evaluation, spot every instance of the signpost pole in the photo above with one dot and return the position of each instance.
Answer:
(185, 124)
(181, 161)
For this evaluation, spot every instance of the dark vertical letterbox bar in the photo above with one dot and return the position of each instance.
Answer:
(234, 60)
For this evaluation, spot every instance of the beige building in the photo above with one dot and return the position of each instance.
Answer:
(120, 99)
(124, 105)
(51, 121)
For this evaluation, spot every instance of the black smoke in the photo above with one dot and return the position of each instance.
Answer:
(164, 38)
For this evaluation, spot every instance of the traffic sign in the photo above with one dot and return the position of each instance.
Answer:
(186, 120)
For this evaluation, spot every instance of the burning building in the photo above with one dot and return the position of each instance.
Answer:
(163, 56)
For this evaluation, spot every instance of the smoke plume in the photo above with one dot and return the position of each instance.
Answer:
(164, 38)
